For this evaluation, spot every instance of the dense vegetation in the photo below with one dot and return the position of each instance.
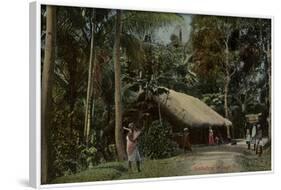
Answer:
(101, 69)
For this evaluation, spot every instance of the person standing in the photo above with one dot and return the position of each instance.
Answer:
(248, 138)
(259, 143)
(217, 139)
(211, 136)
(132, 146)
(254, 133)
(186, 140)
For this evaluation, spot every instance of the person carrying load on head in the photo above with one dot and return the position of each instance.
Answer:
(254, 133)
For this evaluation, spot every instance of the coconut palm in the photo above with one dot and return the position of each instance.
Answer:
(136, 26)
(47, 84)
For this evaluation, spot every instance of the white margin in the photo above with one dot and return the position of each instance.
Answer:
(34, 95)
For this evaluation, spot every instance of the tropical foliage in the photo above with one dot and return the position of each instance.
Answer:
(102, 69)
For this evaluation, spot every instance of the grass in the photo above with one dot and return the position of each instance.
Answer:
(180, 165)
(107, 171)
(174, 166)
(118, 170)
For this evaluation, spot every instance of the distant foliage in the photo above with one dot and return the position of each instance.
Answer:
(214, 100)
(156, 142)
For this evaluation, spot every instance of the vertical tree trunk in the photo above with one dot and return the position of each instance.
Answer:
(226, 87)
(88, 111)
(118, 112)
(140, 86)
(226, 113)
(159, 112)
(268, 56)
(108, 113)
(47, 83)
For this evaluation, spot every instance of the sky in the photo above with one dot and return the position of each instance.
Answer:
(163, 34)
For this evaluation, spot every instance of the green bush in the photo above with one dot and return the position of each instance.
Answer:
(155, 141)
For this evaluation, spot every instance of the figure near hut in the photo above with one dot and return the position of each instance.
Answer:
(211, 136)
(186, 140)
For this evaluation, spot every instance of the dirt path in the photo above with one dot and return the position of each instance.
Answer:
(215, 162)
(216, 159)
(202, 160)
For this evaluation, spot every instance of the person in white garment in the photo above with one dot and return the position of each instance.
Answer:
(248, 138)
(254, 133)
(132, 146)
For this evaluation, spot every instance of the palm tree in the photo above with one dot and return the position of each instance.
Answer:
(118, 111)
(47, 83)
(89, 99)
(136, 26)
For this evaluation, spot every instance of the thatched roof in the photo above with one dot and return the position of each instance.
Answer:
(185, 110)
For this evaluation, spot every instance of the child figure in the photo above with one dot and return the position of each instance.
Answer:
(217, 139)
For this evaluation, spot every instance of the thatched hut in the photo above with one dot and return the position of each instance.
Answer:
(183, 110)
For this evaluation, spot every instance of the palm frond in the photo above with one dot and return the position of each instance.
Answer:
(141, 23)
(133, 48)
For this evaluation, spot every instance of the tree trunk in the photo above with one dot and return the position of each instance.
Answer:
(108, 113)
(88, 111)
(268, 56)
(47, 83)
(226, 87)
(159, 112)
(226, 113)
(118, 112)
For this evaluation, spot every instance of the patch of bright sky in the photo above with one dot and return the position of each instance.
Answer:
(163, 34)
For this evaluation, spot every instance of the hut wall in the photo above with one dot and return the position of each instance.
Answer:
(201, 135)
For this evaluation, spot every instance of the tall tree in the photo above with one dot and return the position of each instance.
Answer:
(227, 28)
(254, 75)
(213, 52)
(89, 98)
(47, 83)
(265, 43)
(118, 106)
